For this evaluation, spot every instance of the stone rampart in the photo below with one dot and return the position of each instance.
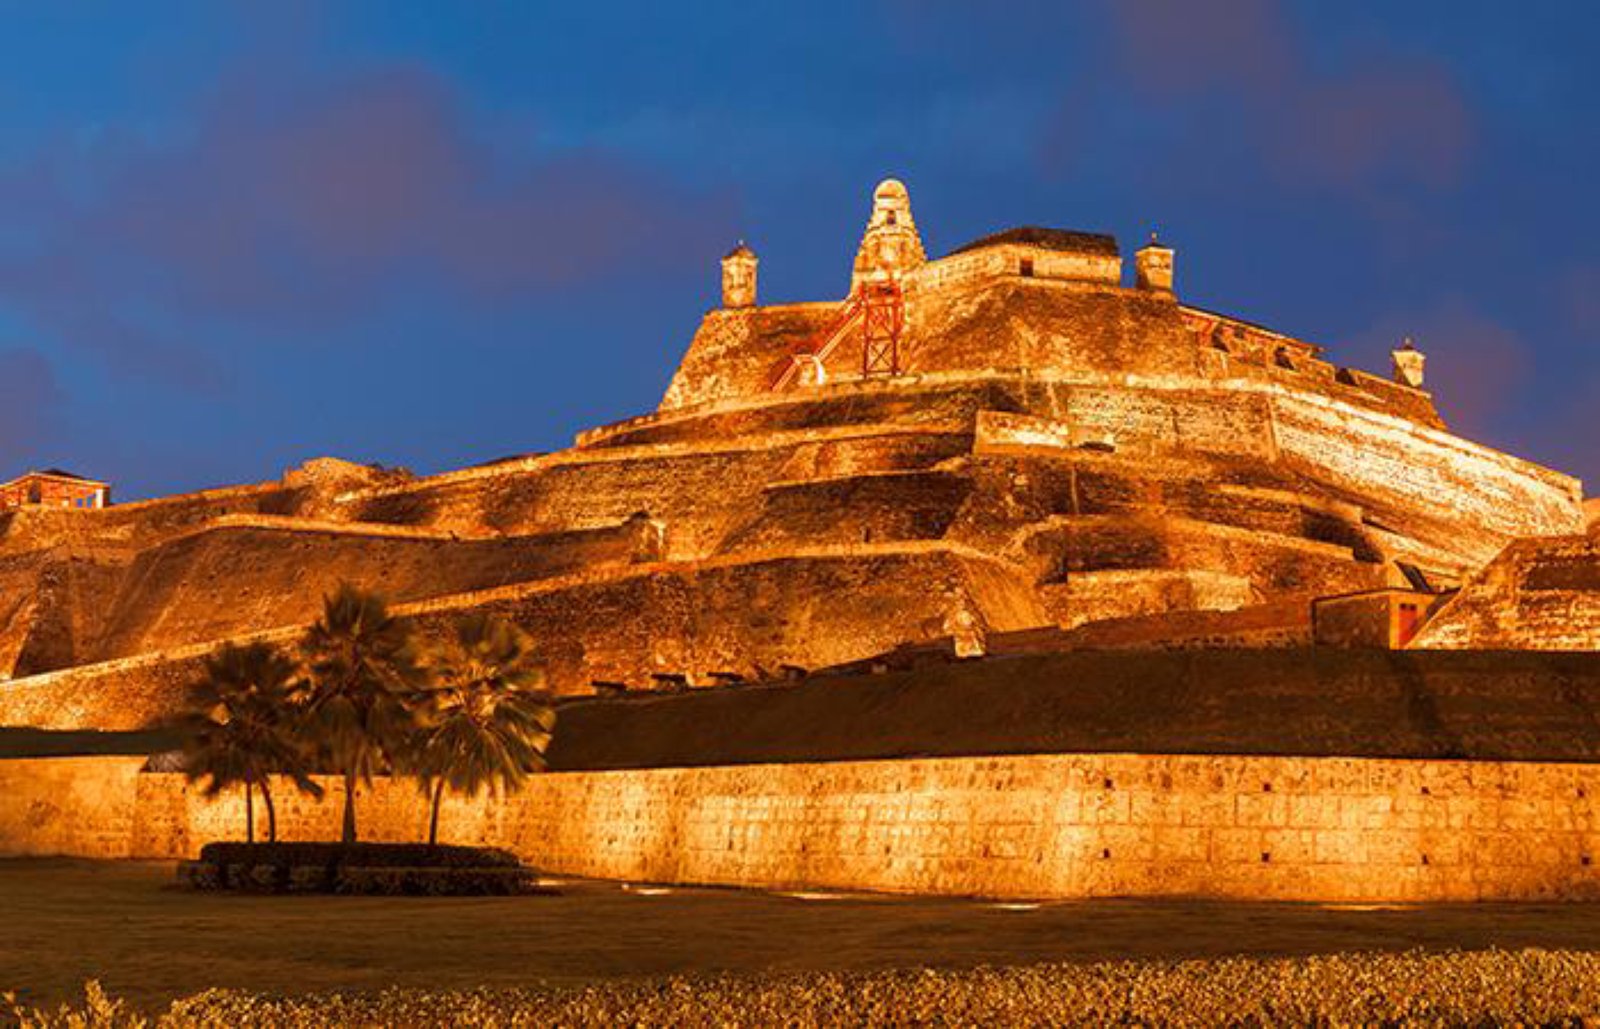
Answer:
(1428, 471)
(251, 574)
(1054, 826)
(747, 615)
(1539, 594)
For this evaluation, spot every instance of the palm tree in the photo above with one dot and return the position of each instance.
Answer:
(362, 679)
(239, 728)
(485, 721)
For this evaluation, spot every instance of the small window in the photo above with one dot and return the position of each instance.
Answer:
(1027, 267)
(1283, 360)
(890, 219)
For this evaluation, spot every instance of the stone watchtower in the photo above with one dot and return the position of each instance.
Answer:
(1153, 266)
(1408, 364)
(891, 244)
(739, 277)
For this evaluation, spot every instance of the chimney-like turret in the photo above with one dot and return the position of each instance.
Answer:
(739, 277)
(1153, 263)
(1408, 364)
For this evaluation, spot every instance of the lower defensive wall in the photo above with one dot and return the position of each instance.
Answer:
(1306, 775)
(1049, 826)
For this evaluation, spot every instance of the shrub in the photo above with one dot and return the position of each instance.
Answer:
(309, 879)
(1531, 987)
(430, 882)
(199, 875)
(393, 869)
(364, 855)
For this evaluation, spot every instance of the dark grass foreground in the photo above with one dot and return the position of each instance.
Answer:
(1477, 988)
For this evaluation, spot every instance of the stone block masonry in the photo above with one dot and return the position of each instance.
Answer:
(1051, 826)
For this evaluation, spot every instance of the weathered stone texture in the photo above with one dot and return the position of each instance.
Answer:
(1029, 826)
(749, 617)
(1056, 447)
(1308, 702)
(82, 806)
(1539, 594)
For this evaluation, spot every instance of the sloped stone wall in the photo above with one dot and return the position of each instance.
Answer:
(1490, 496)
(748, 616)
(1539, 594)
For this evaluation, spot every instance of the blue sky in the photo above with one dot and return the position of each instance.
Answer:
(234, 236)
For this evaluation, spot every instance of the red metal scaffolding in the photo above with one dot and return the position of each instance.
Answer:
(880, 310)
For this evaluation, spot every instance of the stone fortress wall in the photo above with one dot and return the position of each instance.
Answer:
(744, 618)
(1106, 448)
(1034, 826)
(1060, 462)
(1539, 594)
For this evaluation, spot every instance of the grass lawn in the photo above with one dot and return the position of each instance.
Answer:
(65, 921)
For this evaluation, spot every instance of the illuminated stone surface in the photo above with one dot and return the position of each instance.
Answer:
(1028, 826)
(1064, 461)
(1063, 450)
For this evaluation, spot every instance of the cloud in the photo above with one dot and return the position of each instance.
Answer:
(1386, 119)
(30, 405)
(1174, 47)
(1405, 120)
(1476, 368)
(1569, 433)
(289, 208)
(1580, 299)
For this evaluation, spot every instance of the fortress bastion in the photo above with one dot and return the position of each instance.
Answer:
(1006, 438)
(1020, 452)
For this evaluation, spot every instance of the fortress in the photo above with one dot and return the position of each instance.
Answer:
(1008, 574)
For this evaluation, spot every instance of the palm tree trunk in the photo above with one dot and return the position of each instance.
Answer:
(249, 812)
(349, 835)
(272, 811)
(433, 819)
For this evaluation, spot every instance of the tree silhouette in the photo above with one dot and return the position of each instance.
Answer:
(362, 680)
(485, 722)
(240, 728)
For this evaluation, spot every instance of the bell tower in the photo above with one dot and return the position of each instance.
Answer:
(891, 244)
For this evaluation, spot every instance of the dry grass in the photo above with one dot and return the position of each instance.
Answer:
(65, 922)
(1471, 988)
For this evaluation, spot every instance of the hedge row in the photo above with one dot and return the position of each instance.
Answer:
(365, 855)
(370, 868)
(354, 879)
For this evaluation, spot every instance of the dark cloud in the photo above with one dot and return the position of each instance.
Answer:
(1580, 299)
(1268, 102)
(30, 406)
(1174, 47)
(1477, 367)
(1570, 435)
(295, 208)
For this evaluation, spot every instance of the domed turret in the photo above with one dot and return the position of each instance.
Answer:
(739, 277)
(891, 244)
